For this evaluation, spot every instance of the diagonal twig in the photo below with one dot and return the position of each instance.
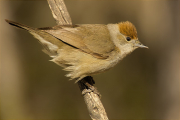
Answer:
(91, 98)
(60, 12)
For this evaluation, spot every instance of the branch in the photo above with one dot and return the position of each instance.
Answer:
(92, 100)
(90, 94)
(60, 12)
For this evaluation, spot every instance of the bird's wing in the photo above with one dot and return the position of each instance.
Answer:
(92, 39)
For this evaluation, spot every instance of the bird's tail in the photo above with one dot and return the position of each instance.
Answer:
(19, 25)
(49, 43)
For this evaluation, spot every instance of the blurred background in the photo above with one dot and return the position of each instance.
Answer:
(145, 85)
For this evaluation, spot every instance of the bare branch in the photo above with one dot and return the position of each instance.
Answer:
(92, 100)
(90, 94)
(59, 11)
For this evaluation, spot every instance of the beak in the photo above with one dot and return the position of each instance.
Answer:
(140, 45)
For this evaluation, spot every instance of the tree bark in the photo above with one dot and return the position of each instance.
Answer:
(92, 99)
(60, 12)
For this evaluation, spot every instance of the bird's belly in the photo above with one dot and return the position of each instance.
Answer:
(80, 64)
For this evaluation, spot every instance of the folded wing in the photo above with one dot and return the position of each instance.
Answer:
(92, 39)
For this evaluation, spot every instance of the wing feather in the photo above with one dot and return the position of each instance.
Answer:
(92, 39)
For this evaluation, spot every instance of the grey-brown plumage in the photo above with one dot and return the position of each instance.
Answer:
(86, 49)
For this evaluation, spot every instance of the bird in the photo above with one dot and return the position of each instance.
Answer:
(86, 49)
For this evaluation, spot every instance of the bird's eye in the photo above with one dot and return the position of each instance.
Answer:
(128, 38)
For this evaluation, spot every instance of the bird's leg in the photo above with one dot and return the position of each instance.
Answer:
(88, 86)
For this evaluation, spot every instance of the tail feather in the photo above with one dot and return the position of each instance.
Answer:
(19, 25)
(50, 44)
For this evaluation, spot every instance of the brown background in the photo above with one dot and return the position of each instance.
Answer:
(145, 85)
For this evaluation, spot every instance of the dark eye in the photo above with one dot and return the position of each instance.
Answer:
(128, 38)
